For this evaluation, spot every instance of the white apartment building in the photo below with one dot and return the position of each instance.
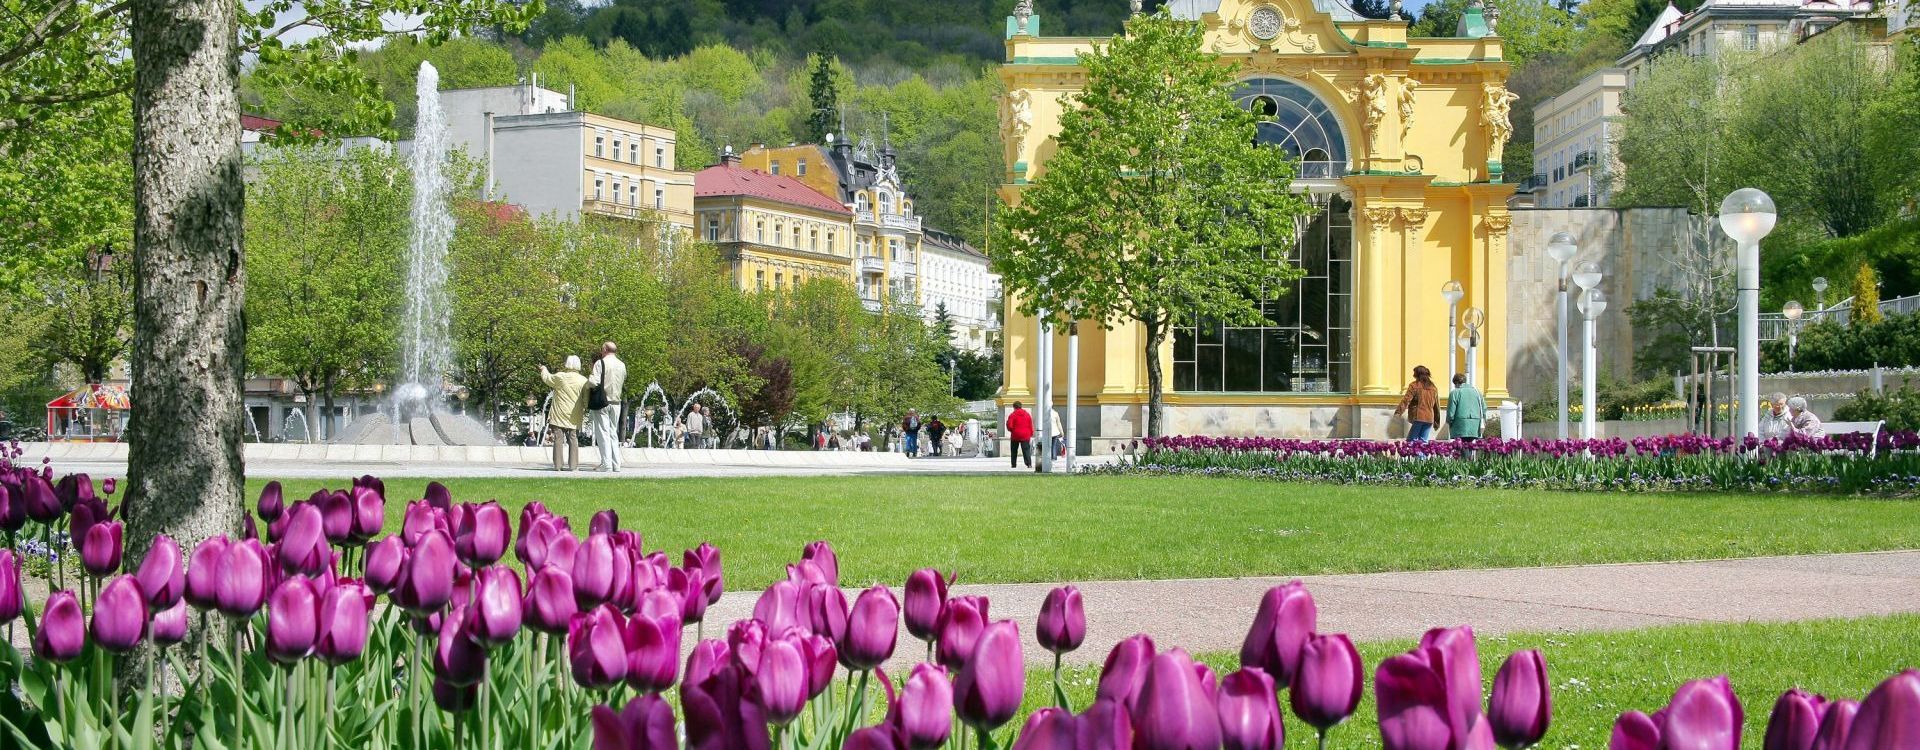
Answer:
(1573, 155)
(1735, 25)
(954, 274)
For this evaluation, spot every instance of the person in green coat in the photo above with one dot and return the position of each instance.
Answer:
(1466, 410)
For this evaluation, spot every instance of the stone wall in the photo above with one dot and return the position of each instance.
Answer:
(1639, 251)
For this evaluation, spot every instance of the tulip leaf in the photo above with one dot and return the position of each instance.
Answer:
(34, 685)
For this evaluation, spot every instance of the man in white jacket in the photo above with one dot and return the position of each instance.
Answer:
(610, 374)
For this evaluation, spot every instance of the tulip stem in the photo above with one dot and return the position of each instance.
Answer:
(239, 698)
(286, 710)
(1323, 739)
(413, 686)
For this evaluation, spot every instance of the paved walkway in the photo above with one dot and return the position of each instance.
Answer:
(1205, 615)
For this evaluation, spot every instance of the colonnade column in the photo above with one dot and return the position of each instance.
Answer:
(1376, 285)
(1492, 290)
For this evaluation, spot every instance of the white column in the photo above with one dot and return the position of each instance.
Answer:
(1749, 286)
(1043, 401)
(1560, 380)
(1589, 373)
(1073, 392)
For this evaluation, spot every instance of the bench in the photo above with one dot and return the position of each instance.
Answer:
(1865, 428)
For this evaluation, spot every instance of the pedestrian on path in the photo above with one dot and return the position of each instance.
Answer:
(695, 427)
(937, 430)
(1058, 437)
(610, 376)
(1466, 410)
(1420, 404)
(1019, 436)
(910, 434)
(565, 411)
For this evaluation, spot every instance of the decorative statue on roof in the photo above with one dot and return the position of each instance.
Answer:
(1493, 18)
(1496, 105)
(1133, 7)
(1022, 11)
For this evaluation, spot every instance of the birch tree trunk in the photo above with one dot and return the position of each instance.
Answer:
(184, 472)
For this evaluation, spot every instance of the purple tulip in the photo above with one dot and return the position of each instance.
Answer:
(871, 738)
(1125, 670)
(826, 610)
(13, 508)
(925, 603)
(428, 579)
(645, 724)
(1890, 716)
(606, 521)
(458, 657)
(1794, 723)
(1249, 713)
(1048, 729)
(958, 633)
(653, 651)
(386, 562)
(119, 615)
(1327, 681)
(1634, 731)
(1703, 715)
(872, 627)
(169, 625)
(1063, 621)
(13, 598)
(436, 496)
(1835, 723)
(925, 717)
(822, 556)
(1287, 617)
(203, 572)
(342, 633)
(272, 502)
(293, 620)
(822, 660)
(780, 606)
(100, 553)
(593, 571)
(596, 649)
(421, 518)
(1411, 690)
(1174, 711)
(988, 691)
(550, 605)
(1105, 725)
(708, 656)
(782, 680)
(304, 548)
(369, 514)
(1460, 666)
(706, 557)
(480, 537)
(453, 698)
(1522, 705)
(42, 503)
(745, 638)
(497, 606)
(241, 584)
(63, 629)
(82, 518)
(336, 516)
(162, 576)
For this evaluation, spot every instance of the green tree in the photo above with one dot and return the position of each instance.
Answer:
(1158, 206)
(508, 316)
(327, 232)
(90, 315)
(823, 98)
(1866, 295)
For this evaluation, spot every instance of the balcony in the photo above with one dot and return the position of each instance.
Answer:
(871, 264)
(903, 268)
(619, 210)
(1583, 160)
(908, 223)
(1534, 182)
(871, 305)
(863, 217)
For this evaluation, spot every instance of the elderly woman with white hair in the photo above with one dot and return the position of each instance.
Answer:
(566, 411)
(1776, 423)
(1805, 424)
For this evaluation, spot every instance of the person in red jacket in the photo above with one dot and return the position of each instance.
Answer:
(1019, 436)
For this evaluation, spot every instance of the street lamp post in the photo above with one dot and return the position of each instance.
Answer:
(1793, 311)
(1595, 303)
(1073, 393)
(1747, 215)
(1473, 318)
(1586, 275)
(1561, 248)
(1820, 295)
(1452, 293)
(1044, 397)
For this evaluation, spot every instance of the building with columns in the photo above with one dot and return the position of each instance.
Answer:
(1399, 141)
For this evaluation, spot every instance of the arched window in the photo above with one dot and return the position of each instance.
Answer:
(860, 200)
(1297, 120)
(886, 203)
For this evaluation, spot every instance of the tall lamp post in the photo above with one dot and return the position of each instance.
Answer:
(1473, 318)
(1820, 295)
(1747, 215)
(1595, 303)
(1793, 310)
(1452, 293)
(1586, 275)
(1561, 248)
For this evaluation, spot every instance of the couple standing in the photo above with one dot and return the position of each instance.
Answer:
(586, 400)
(1466, 409)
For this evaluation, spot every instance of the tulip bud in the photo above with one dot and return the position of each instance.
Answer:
(385, 563)
(1249, 713)
(1835, 723)
(1287, 617)
(203, 572)
(708, 656)
(342, 633)
(108, 485)
(303, 550)
(549, 606)
(369, 514)
(872, 627)
(1174, 711)
(458, 658)
(707, 558)
(428, 582)
(162, 576)
(497, 605)
(100, 552)
(42, 503)
(419, 519)
(872, 738)
(13, 508)
(1703, 714)
(653, 651)
(745, 638)
(779, 607)
(480, 538)
(119, 615)
(1795, 720)
(1634, 731)
(596, 649)
(1327, 683)
(926, 708)
(593, 571)
(170, 625)
(925, 604)
(690, 585)
(436, 496)
(1411, 694)
(336, 516)
(63, 629)
(241, 585)
(1522, 706)
(962, 627)
(13, 597)
(272, 502)
(1063, 621)
(822, 556)
(1105, 725)
(645, 724)
(990, 688)
(1460, 666)
(1048, 729)
(293, 620)
(1889, 715)
(826, 608)
(782, 679)
(1125, 670)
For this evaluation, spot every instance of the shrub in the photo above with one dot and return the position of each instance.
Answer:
(1900, 408)
(1893, 341)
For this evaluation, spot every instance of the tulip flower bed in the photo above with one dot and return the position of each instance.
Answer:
(321, 633)
(1670, 463)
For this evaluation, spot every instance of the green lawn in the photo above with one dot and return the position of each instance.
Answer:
(1027, 528)
(1598, 675)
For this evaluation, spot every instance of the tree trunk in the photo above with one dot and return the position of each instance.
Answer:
(184, 471)
(330, 430)
(1156, 418)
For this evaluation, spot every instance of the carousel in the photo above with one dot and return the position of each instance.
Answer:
(92, 413)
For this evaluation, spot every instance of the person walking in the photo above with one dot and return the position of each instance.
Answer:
(1420, 404)
(937, 430)
(910, 434)
(610, 376)
(1058, 436)
(1466, 410)
(695, 428)
(1019, 436)
(565, 411)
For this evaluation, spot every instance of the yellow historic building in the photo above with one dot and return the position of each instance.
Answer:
(1398, 141)
(774, 231)
(887, 233)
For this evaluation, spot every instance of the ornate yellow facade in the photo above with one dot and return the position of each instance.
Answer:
(1399, 140)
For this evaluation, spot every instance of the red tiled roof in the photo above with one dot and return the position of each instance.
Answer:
(256, 122)
(726, 179)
